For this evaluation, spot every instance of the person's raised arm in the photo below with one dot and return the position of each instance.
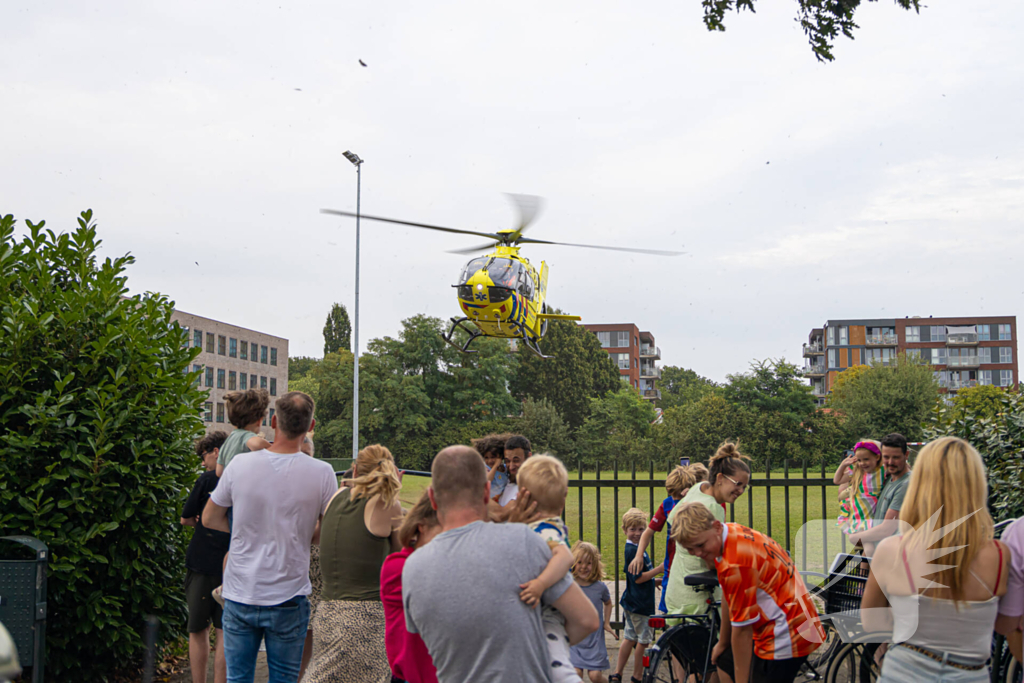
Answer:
(558, 567)
(257, 443)
(637, 565)
(581, 618)
(648, 575)
(843, 472)
(882, 530)
(215, 517)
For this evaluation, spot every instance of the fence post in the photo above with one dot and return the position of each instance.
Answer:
(615, 531)
(651, 491)
(597, 494)
(803, 524)
(768, 493)
(579, 462)
(750, 504)
(785, 498)
(824, 518)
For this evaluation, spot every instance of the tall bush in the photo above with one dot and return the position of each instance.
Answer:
(97, 414)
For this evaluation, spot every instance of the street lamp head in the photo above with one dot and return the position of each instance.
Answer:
(354, 158)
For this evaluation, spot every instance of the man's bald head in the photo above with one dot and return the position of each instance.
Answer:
(458, 478)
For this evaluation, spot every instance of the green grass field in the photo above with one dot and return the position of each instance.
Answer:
(600, 522)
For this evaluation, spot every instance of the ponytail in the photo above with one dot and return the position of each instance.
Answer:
(727, 460)
(376, 475)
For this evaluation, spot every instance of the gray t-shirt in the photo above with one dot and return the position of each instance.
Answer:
(891, 497)
(461, 594)
(276, 499)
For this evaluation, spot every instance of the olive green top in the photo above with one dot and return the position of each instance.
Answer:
(350, 556)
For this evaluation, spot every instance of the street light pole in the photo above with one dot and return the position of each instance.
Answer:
(358, 163)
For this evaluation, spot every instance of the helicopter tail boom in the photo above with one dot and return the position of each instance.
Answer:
(555, 316)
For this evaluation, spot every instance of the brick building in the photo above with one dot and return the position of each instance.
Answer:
(965, 351)
(634, 352)
(233, 358)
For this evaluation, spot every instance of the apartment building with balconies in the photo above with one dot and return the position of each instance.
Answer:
(231, 358)
(635, 352)
(965, 351)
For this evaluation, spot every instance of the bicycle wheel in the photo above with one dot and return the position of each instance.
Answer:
(679, 652)
(1014, 673)
(853, 663)
(817, 662)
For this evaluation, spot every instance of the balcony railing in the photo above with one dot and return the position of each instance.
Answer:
(649, 371)
(651, 393)
(882, 339)
(963, 361)
(647, 351)
(818, 391)
(814, 369)
(955, 384)
(810, 349)
(962, 339)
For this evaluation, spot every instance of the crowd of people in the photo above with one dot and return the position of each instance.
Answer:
(477, 581)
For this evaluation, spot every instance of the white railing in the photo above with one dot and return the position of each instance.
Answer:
(961, 338)
(882, 339)
(649, 371)
(814, 369)
(953, 384)
(648, 350)
(813, 348)
(963, 361)
(651, 393)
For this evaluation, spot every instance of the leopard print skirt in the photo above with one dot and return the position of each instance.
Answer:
(348, 643)
(316, 580)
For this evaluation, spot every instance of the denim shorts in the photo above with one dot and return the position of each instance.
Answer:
(636, 628)
(901, 664)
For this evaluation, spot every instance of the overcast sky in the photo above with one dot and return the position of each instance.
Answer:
(887, 183)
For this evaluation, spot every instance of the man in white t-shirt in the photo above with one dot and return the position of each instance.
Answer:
(278, 496)
(517, 450)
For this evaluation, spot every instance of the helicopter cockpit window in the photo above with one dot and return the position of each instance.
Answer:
(526, 284)
(472, 267)
(504, 272)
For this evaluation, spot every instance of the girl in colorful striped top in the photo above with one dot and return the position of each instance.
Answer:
(862, 476)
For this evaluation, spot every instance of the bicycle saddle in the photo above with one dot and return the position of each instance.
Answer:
(701, 579)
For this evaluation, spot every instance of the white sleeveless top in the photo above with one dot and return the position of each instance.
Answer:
(963, 631)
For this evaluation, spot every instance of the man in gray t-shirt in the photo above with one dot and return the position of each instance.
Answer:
(461, 591)
(885, 519)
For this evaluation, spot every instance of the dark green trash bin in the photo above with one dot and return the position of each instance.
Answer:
(23, 600)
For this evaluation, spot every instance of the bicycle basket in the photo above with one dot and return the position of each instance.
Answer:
(844, 589)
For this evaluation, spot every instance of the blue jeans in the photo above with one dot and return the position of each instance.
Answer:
(283, 627)
(901, 664)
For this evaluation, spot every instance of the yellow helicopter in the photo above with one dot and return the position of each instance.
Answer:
(501, 293)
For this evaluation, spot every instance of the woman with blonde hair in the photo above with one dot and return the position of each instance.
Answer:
(937, 585)
(358, 531)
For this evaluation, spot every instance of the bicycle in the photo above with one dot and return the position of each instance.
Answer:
(684, 649)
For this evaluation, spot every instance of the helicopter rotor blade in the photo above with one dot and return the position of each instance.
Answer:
(473, 250)
(527, 206)
(652, 252)
(488, 235)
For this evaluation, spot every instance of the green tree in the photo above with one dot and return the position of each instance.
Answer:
(299, 366)
(821, 21)
(771, 387)
(982, 401)
(337, 330)
(98, 411)
(546, 430)
(889, 398)
(580, 371)
(618, 429)
(695, 430)
(680, 386)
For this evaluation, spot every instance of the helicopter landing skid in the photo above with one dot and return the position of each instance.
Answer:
(528, 341)
(457, 325)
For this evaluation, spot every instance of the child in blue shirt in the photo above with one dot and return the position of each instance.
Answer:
(492, 449)
(637, 600)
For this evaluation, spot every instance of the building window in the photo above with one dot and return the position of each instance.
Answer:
(209, 377)
(1006, 378)
(232, 383)
(252, 381)
(243, 381)
(884, 356)
(254, 347)
(938, 356)
(914, 353)
(913, 334)
(209, 412)
(832, 359)
(273, 386)
(273, 356)
(245, 351)
(263, 382)
(222, 345)
(1005, 354)
(209, 342)
(263, 355)
(622, 340)
(605, 339)
(271, 416)
(220, 378)
(636, 362)
(233, 347)
(940, 377)
(198, 369)
(831, 336)
(985, 354)
(938, 333)
(1004, 333)
(220, 412)
(264, 420)
(624, 378)
(984, 333)
(843, 339)
(622, 359)
(985, 377)
(197, 339)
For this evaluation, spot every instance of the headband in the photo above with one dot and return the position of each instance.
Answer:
(869, 446)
